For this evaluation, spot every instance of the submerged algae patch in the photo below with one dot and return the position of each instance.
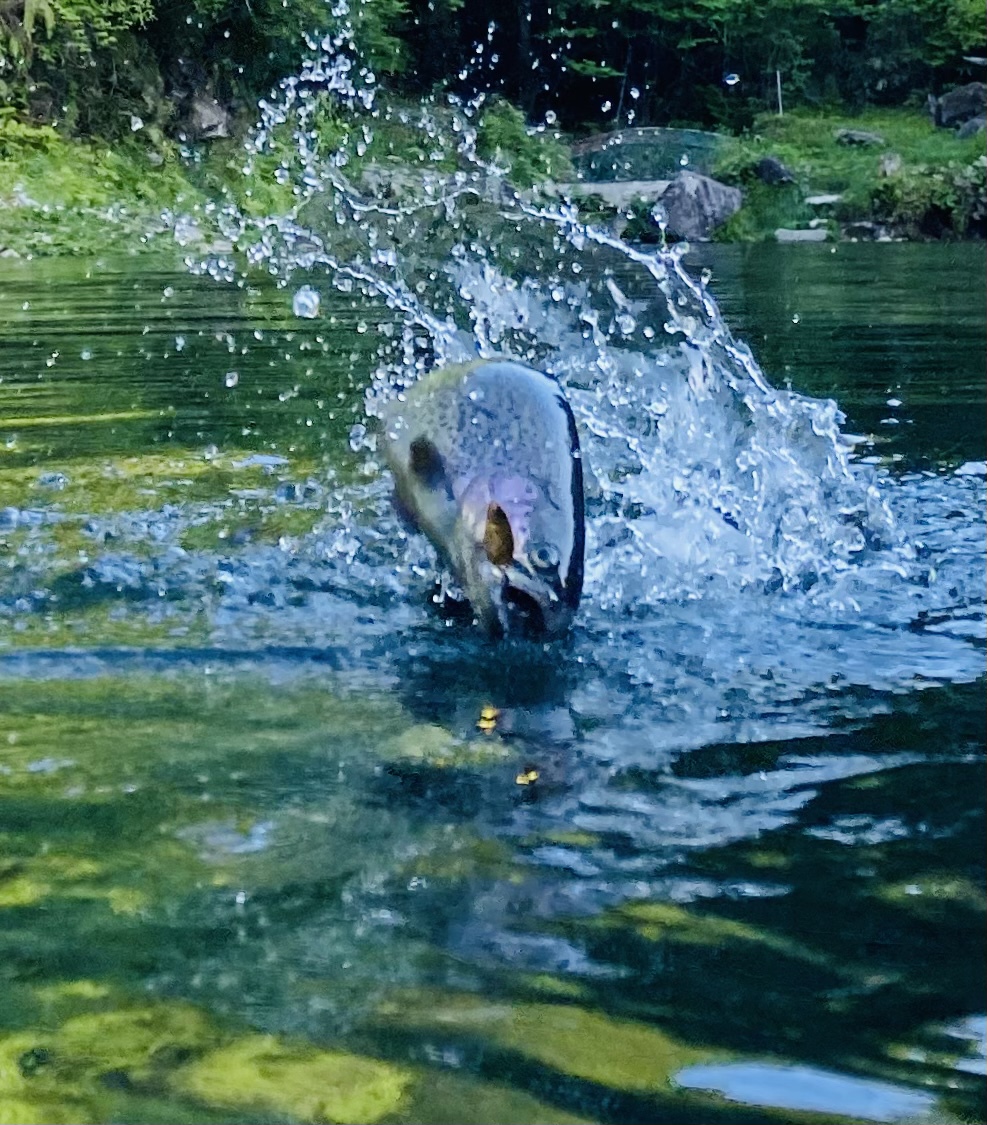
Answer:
(616, 1053)
(264, 1073)
(139, 1042)
(436, 746)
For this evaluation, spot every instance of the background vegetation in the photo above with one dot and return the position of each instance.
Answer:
(120, 78)
(88, 66)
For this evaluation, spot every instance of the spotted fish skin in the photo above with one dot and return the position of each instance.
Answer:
(486, 462)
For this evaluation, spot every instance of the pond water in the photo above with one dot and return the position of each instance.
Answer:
(281, 844)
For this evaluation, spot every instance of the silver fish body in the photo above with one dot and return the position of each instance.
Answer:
(486, 463)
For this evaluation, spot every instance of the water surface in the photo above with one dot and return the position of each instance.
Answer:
(717, 856)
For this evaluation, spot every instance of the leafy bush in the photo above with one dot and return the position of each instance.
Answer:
(926, 201)
(18, 138)
(531, 156)
(938, 188)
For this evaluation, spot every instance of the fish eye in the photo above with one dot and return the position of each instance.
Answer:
(544, 557)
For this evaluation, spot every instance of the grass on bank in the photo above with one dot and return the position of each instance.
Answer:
(65, 196)
(921, 181)
(59, 196)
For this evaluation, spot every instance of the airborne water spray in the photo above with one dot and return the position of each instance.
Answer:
(700, 471)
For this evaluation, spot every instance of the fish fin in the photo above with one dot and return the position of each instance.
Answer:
(498, 539)
(426, 463)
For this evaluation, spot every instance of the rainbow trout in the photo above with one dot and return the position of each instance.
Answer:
(486, 463)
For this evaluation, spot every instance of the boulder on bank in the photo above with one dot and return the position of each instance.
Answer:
(857, 137)
(770, 170)
(971, 127)
(959, 105)
(696, 205)
(787, 234)
(619, 194)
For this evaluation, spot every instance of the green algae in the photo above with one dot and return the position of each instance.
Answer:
(298, 1081)
(143, 1042)
(617, 1053)
(435, 745)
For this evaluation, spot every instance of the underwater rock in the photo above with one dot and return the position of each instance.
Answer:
(264, 1075)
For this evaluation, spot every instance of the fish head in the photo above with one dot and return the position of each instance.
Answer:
(508, 557)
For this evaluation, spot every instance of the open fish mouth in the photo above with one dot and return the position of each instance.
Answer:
(523, 614)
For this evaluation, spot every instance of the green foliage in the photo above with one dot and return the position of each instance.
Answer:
(19, 138)
(677, 52)
(938, 188)
(922, 200)
(62, 196)
(766, 208)
(531, 156)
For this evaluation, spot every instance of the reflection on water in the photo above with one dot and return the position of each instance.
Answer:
(801, 1087)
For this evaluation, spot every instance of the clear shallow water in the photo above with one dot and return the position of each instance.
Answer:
(284, 845)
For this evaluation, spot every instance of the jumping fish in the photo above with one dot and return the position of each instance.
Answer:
(486, 463)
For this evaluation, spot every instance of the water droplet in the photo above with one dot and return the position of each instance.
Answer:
(168, 291)
(306, 303)
(231, 378)
(186, 230)
(85, 354)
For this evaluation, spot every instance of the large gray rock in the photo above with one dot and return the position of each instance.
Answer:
(786, 234)
(696, 205)
(620, 194)
(959, 105)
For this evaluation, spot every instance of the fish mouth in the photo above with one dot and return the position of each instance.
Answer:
(523, 613)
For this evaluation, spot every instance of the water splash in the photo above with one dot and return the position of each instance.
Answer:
(729, 521)
(700, 469)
